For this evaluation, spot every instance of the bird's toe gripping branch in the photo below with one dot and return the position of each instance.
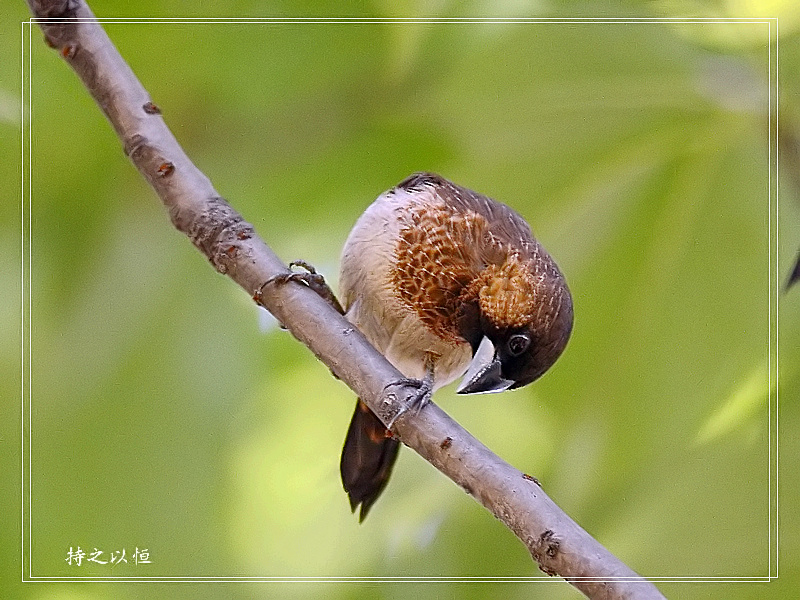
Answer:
(397, 407)
(309, 277)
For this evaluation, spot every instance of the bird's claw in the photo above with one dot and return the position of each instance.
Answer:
(309, 277)
(415, 402)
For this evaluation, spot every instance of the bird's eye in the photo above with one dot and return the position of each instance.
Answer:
(518, 343)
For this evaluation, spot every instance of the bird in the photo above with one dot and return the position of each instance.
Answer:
(445, 282)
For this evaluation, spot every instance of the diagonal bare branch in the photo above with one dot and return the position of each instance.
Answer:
(559, 545)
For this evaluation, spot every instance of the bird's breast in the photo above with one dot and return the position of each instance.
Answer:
(401, 275)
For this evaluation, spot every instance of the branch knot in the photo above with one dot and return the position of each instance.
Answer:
(217, 231)
(544, 550)
(55, 9)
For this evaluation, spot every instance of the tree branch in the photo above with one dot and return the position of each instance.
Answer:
(558, 544)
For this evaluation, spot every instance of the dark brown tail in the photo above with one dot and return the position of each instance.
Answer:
(367, 459)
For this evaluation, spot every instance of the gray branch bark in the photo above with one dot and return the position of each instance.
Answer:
(556, 542)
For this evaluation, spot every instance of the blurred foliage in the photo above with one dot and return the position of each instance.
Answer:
(169, 414)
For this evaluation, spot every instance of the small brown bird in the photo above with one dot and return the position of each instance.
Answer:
(444, 280)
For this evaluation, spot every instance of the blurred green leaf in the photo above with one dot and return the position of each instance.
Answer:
(740, 408)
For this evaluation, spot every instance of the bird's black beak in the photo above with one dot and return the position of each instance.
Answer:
(484, 374)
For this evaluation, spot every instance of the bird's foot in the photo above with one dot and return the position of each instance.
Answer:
(414, 402)
(309, 277)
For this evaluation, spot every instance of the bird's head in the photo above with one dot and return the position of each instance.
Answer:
(518, 323)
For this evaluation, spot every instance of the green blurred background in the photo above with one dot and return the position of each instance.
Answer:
(167, 413)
